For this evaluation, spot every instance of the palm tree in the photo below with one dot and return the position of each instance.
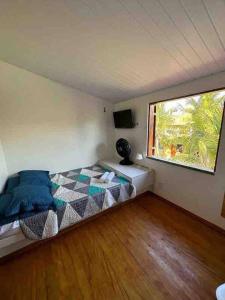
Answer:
(206, 112)
(164, 121)
(193, 122)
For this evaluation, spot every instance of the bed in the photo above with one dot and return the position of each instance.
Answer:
(78, 194)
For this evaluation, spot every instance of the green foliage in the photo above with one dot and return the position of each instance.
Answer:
(195, 124)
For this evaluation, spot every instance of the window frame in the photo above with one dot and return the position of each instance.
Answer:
(151, 133)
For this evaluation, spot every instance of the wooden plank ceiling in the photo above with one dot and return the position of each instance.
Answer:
(116, 49)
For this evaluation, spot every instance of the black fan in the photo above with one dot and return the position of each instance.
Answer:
(124, 149)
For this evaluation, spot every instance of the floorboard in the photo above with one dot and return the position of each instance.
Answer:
(146, 249)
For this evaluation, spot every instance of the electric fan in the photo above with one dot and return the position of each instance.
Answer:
(124, 149)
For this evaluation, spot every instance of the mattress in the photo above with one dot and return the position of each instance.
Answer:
(78, 194)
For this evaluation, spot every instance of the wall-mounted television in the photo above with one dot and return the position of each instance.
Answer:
(123, 119)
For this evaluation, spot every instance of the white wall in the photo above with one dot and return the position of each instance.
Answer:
(197, 192)
(45, 125)
(3, 168)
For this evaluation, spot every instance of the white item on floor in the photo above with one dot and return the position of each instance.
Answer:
(103, 177)
(110, 177)
(220, 292)
(141, 177)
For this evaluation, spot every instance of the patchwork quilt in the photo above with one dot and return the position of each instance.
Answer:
(78, 195)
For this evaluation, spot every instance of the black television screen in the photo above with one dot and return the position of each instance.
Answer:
(123, 119)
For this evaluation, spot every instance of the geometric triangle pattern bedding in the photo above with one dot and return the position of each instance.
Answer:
(78, 194)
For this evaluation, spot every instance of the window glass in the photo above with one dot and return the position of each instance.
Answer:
(186, 131)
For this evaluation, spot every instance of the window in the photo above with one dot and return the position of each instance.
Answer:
(186, 131)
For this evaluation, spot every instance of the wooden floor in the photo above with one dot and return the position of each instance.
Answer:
(143, 250)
